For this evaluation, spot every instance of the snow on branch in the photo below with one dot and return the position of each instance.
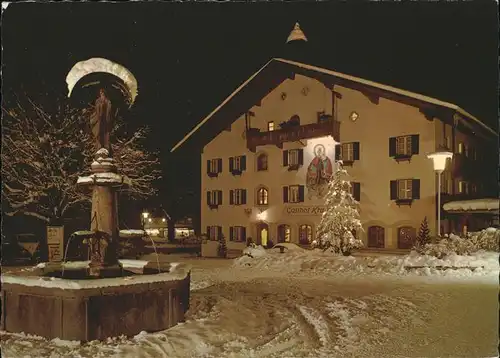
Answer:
(340, 223)
(44, 152)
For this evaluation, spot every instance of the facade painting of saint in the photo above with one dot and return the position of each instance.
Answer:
(319, 172)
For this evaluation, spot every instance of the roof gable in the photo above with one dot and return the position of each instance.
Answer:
(269, 76)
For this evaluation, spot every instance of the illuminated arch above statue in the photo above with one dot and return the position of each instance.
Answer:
(97, 64)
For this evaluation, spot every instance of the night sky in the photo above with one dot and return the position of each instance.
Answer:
(187, 57)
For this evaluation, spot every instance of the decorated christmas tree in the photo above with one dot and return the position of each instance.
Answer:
(423, 236)
(222, 249)
(340, 221)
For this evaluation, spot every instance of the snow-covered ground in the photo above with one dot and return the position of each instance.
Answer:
(309, 304)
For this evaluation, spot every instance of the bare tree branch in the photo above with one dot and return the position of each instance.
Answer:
(44, 153)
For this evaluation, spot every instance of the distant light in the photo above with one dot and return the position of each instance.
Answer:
(145, 215)
(150, 219)
(163, 219)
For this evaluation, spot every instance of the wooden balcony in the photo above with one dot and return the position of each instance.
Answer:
(256, 138)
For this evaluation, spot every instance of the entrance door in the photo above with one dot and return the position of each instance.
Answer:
(376, 237)
(262, 234)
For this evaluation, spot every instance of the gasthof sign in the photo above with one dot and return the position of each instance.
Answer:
(305, 210)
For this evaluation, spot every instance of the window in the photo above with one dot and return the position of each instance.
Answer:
(406, 237)
(293, 194)
(237, 233)
(262, 196)
(262, 162)
(237, 164)
(446, 183)
(214, 198)
(461, 148)
(214, 166)
(214, 232)
(404, 146)
(405, 189)
(447, 142)
(284, 233)
(293, 157)
(270, 126)
(237, 197)
(305, 234)
(376, 236)
(347, 152)
(355, 190)
(463, 187)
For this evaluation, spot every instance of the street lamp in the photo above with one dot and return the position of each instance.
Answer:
(439, 161)
(145, 215)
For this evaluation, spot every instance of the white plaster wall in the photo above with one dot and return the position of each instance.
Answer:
(375, 169)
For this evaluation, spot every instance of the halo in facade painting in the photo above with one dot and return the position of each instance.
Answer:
(97, 64)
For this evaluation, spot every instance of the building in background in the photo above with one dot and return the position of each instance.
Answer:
(157, 226)
(275, 141)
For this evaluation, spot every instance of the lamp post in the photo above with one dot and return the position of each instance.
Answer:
(439, 161)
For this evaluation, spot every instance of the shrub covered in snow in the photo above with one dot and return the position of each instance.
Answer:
(423, 237)
(487, 240)
(340, 221)
(222, 249)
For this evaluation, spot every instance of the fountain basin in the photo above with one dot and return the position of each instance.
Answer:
(84, 309)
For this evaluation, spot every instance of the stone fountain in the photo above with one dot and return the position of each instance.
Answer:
(104, 296)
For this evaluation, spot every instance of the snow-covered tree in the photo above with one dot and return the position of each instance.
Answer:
(45, 150)
(340, 222)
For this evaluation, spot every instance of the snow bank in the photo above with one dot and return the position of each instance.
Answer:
(254, 251)
(480, 263)
(487, 240)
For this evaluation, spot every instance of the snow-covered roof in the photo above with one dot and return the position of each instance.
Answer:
(473, 205)
(348, 78)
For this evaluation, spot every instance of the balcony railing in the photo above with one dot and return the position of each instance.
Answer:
(256, 138)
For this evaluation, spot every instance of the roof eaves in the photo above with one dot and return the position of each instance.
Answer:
(198, 126)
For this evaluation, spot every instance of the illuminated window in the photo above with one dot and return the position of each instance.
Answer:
(270, 126)
(262, 196)
(461, 148)
(463, 187)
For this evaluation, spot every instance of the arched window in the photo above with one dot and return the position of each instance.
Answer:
(406, 237)
(284, 233)
(262, 162)
(262, 196)
(376, 236)
(305, 234)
